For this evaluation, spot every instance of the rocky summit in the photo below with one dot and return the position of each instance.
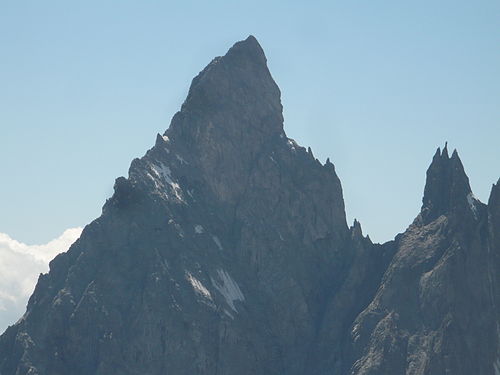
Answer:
(226, 251)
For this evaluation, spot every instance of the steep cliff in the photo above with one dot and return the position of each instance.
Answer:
(226, 251)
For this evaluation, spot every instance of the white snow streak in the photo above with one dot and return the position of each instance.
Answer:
(217, 242)
(165, 174)
(199, 229)
(198, 286)
(471, 199)
(228, 288)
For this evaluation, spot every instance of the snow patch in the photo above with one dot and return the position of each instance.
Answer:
(199, 229)
(198, 287)
(228, 288)
(165, 138)
(165, 174)
(471, 199)
(291, 143)
(217, 242)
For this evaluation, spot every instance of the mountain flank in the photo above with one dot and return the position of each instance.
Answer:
(226, 251)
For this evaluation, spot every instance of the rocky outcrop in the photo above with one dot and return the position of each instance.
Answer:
(435, 311)
(226, 251)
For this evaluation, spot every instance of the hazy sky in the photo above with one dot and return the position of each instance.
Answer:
(376, 86)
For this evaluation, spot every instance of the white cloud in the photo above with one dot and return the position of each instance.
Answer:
(20, 265)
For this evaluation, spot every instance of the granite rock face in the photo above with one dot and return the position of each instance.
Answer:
(226, 251)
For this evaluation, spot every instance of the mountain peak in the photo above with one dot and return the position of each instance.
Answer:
(232, 112)
(445, 151)
(447, 186)
(248, 49)
(494, 199)
(237, 86)
(226, 251)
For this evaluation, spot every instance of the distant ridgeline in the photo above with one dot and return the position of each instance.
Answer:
(226, 251)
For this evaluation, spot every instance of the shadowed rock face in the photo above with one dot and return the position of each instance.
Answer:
(447, 190)
(436, 310)
(226, 251)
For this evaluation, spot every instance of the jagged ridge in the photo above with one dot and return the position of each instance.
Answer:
(226, 250)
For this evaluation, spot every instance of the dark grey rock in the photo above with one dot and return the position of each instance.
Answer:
(226, 251)
(435, 311)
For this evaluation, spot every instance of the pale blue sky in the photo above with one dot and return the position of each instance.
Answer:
(376, 86)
